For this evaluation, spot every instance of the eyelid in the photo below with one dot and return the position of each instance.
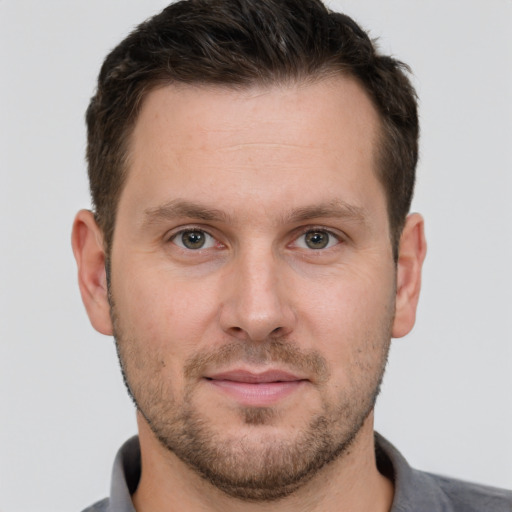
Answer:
(171, 236)
(340, 237)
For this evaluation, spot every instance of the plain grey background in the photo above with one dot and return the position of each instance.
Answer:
(446, 401)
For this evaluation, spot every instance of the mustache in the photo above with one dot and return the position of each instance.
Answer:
(310, 363)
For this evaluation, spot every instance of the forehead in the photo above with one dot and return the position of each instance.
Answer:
(301, 138)
(196, 111)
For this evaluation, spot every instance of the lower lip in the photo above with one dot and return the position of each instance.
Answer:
(257, 394)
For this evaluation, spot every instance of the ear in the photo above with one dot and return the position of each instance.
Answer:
(412, 251)
(87, 242)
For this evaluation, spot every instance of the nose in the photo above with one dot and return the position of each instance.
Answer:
(256, 305)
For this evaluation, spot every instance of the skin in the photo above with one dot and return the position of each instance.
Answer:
(254, 170)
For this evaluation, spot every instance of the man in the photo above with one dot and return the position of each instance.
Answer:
(252, 166)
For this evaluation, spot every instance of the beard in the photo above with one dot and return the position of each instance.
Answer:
(267, 466)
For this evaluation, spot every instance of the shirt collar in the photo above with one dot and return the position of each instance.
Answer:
(125, 476)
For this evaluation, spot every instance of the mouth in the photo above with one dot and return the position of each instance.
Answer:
(257, 389)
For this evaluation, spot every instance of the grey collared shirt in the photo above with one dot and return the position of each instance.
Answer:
(415, 491)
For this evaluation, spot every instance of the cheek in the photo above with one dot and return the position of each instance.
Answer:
(168, 316)
(350, 322)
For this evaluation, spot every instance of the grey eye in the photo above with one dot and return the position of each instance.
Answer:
(193, 239)
(317, 239)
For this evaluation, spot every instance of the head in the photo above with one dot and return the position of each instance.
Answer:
(239, 44)
(251, 165)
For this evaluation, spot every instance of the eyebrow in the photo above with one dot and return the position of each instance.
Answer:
(179, 208)
(333, 209)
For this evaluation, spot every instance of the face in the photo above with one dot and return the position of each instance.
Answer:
(252, 279)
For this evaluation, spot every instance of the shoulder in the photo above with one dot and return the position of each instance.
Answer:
(419, 491)
(100, 506)
(469, 497)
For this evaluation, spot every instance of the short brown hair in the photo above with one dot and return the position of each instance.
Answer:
(240, 43)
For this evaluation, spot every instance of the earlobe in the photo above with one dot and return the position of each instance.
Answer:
(412, 253)
(87, 242)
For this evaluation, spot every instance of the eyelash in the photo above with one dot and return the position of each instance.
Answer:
(191, 230)
(319, 229)
(310, 229)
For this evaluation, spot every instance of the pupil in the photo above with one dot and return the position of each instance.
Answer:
(317, 240)
(193, 239)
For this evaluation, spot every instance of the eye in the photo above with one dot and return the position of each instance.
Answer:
(193, 239)
(317, 239)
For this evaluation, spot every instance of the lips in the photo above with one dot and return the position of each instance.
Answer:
(256, 378)
(256, 389)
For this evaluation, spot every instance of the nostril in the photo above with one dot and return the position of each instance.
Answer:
(276, 331)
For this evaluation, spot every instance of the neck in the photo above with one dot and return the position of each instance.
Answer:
(352, 483)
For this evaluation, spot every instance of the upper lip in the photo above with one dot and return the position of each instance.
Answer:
(255, 377)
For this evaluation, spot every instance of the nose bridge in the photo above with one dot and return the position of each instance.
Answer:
(256, 305)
